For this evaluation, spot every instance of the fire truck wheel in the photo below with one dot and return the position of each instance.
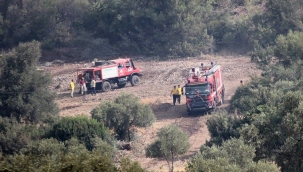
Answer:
(135, 80)
(106, 86)
(121, 85)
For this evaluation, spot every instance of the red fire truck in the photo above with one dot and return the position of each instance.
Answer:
(111, 72)
(204, 88)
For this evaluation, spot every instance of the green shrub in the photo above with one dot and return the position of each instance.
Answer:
(52, 155)
(102, 146)
(84, 161)
(283, 73)
(45, 147)
(262, 55)
(232, 156)
(126, 165)
(124, 113)
(258, 92)
(171, 142)
(223, 127)
(55, 149)
(289, 48)
(276, 134)
(15, 136)
(82, 128)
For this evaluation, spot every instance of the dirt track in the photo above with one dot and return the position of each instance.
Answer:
(156, 83)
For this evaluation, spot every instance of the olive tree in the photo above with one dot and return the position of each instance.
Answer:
(24, 89)
(123, 114)
(85, 129)
(277, 135)
(234, 156)
(171, 142)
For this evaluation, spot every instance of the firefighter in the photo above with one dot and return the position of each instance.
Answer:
(93, 86)
(180, 91)
(175, 93)
(82, 86)
(72, 87)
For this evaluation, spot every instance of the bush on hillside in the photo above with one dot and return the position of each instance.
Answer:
(126, 165)
(123, 114)
(68, 156)
(258, 92)
(223, 127)
(289, 48)
(55, 149)
(83, 161)
(171, 142)
(15, 136)
(82, 128)
(233, 156)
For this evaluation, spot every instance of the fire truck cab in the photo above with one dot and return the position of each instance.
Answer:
(204, 88)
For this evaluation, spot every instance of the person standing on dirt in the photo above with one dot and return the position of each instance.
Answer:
(84, 87)
(93, 86)
(179, 94)
(175, 93)
(82, 83)
(72, 87)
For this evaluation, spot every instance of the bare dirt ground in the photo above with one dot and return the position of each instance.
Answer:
(158, 79)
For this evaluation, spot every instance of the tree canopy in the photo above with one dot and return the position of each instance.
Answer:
(123, 114)
(233, 155)
(74, 29)
(171, 142)
(271, 105)
(24, 92)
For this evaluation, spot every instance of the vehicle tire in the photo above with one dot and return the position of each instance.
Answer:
(121, 85)
(135, 80)
(106, 86)
(98, 87)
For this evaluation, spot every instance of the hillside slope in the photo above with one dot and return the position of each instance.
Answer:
(158, 79)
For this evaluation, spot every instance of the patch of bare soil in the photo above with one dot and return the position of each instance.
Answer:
(158, 79)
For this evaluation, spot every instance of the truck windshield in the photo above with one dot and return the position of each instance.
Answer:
(192, 90)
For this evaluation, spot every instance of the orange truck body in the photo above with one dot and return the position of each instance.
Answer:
(117, 71)
(204, 88)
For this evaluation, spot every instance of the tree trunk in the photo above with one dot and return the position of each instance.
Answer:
(128, 129)
(169, 169)
(172, 161)
(128, 134)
